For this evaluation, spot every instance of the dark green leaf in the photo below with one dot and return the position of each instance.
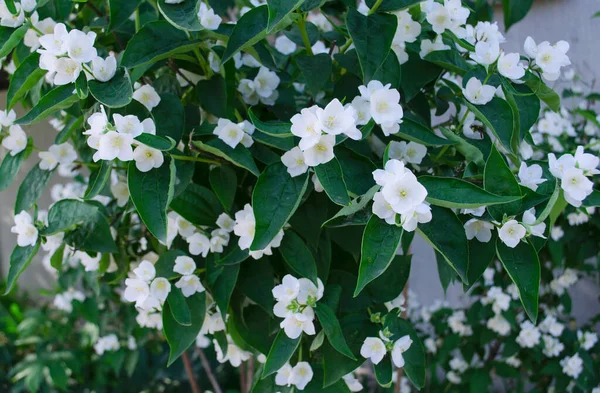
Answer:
(298, 256)
(450, 60)
(213, 97)
(183, 15)
(11, 165)
(26, 76)
(514, 11)
(383, 371)
(223, 181)
(281, 351)
(392, 5)
(179, 308)
(115, 93)
(240, 156)
(61, 97)
(415, 355)
(499, 179)
(333, 330)
(19, 260)
(498, 117)
(417, 132)
(198, 205)
(156, 142)
(274, 128)
(224, 285)
(332, 179)
(169, 116)
(544, 93)
(279, 9)
(120, 11)
(32, 188)
(10, 38)
(275, 198)
(98, 179)
(389, 285)
(316, 71)
(181, 337)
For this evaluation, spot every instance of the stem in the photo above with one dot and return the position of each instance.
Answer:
(190, 372)
(304, 34)
(194, 159)
(249, 374)
(138, 24)
(375, 6)
(345, 47)
(243, 381)
(88, 164)
(209, 373)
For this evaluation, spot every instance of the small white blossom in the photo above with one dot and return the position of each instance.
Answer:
(478, 93)
(511, 233)
(147, 96)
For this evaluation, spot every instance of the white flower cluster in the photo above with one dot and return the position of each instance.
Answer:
(145, 289)
(531, 176)
(233, 134)
(295, 301)
(234, 354)
(549, 58)
(407, 31)
(117, 141)
(27, 233)
(64, 301)
(409, 153)
(298, 376)
(199, 242)
(146, 95)
(353, 383)
(458, 366)
(500, 302)
(380, 103)
(529, 336)
(566, 280)
(572, 365)
(245, 226)
(66, 54)
(207, 17)
(375, 348)
(7, 19)
(401, 194)
(63, 154)
(587, 340)
(107, 343)
(189, 283)
(457, 322)
(573, 172)
(16, 140)
(263, 88)
(580, 217)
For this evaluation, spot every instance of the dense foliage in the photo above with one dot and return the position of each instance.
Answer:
(251, 176)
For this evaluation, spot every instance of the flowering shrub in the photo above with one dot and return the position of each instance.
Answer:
(255, 174)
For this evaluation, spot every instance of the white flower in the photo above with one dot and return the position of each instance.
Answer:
(219, 239)
(235, 355)
(587, 162)
(184, 265)
(353, 384)
(147, 158)
(362, 108)
(121, 193)
(114, 145)
(225, 222)
(458, 364)
(288, 289)
(80, 46)
(576, 186)
(128, 124)
(404, 193)
(189, 285)
(27, 233)
(321, 152)
(511, 233)
(208, 19)
(265, 82)
(477, 93)
(67, 71)
(284, 45)
(373, 348)
(64, 153)
(301, 375)
(510, 67)
(107, 343)
(393, 169)
(552, 326)
(400, 346)
(529, 219)
(439, 17)
(145, 271)
(421, 214)
(7, 118)
(294, 161)
(531, 176)
(486, 53)
(229, 132)
(427, 46)
(48, 160)
(382, 209)
(559, 166)
(410, 152)
(552, 346)
(572, 366)
(335, 119)
(295, 323)
(147, 96)
(482, 230)
(309, 292)
(136, 290)
(499, 325)
(456, 321)
(556, 233)
(529, 336)
(408, 30)
(56, 43)
(104, 69)
(184, 228)
(160, 288)
(282, 377)
(15, 141)
(587, 340)
(550, 58)
(199, 244)
(385, 106)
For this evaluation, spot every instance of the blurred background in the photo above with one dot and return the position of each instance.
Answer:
(548, 20)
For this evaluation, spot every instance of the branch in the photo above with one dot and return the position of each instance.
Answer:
(209, 373)
(190, 372)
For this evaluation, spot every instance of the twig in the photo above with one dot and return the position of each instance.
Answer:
(209, 373)
(243, 377)
(249, 374)
(187, 363)
(173, 67)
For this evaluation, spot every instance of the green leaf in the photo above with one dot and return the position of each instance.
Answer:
(372, 36)
(450, 60)
(421, 72)
(10, 38)
(166, 262)
(11, 165)
(151, 193)
(446, 235)
(445, 271)
(279, 9)
(183, 15)
(273, 128)
(213, 97)
(471, 153)
(544, 93)
(499, 179)
(455, 193)
(181, 337)
(223, 287)
(383, 371)
(56, 259)
(32, 188)
(115, 93)
(87, 226)
(392, 5)
(356, 205)
(275, 198)
(179, 308)
(480, 257)
(357, 170)
(592, 200)
(19, 260)
(58, 374)
(417, 132)
(61, 97)
(332, 179)
(26, 76)
(280, 353)
(415, 355)
(198, 205)
(298, 256)
(523, 266)
(156, 41)
(169, 116)
(98, 179)
(240, 156)
(498, 117)
(120, 11)
(223, 181)
(333, 330)
(156, 142)
(389, 285)
(316, 71)
(81, 86)
(514, 11)
(380, 242)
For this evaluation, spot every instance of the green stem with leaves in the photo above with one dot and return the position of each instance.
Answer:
(304, 35)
